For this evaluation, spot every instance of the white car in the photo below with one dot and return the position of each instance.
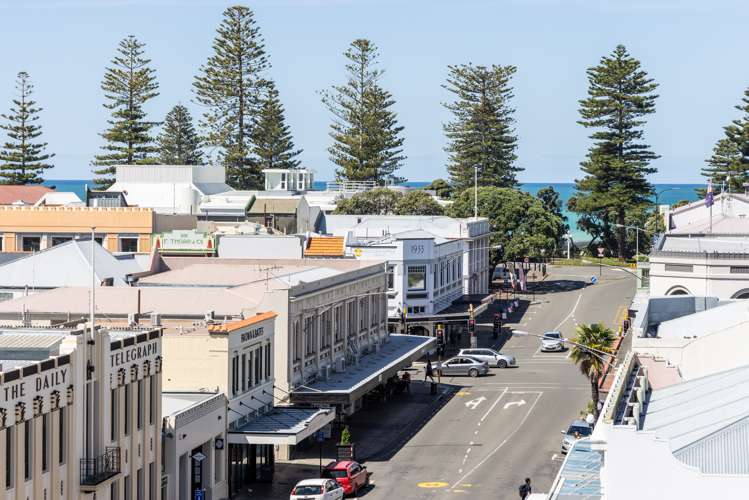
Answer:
(552, 341)
(492, 357)
(317, 489)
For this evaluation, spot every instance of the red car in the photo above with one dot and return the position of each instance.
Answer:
(352, 476)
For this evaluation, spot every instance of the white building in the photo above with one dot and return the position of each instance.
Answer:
(64, 435)
(700, 256)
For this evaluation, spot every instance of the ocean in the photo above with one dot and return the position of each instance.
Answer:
(671, 193)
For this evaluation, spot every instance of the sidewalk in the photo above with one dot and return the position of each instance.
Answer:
(379, 430)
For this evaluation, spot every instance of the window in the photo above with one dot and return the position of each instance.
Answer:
(128, 244)
(338, 326)
(9, 457)
(28, 447)
(234, 374)
(139, 412)
(297, 339)
(417, 277)
(126, 390)
(62, 432)
(126, 481)
(244, 375)
(152, 481)
(680, 268)
(31, 243)
(258, 364)
(391, 277)
(45, 442)
(267, 361)
(139, 485)
(308, 336)
(739, 270)
(249, 371)
(114, 431)
(59, 240)
(151, 398)
(114, 490)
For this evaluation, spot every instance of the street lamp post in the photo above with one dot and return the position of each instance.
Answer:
(637, 237)
(657, 195)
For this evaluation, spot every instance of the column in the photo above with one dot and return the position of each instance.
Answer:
(317, 325)
(20, 480)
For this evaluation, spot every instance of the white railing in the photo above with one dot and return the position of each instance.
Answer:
(350, 186)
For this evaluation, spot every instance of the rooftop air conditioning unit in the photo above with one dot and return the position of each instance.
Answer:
(209, 316)
(131, 319)
(155, 319)
(340, 365)
(325, 372)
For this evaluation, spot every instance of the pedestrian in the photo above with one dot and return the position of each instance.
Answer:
(525, 488)
(429, 372)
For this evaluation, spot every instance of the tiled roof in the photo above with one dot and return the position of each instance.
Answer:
(10, 194)
(236, 325)
(324, 246)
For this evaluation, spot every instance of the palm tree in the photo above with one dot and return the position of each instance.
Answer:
(590, 342)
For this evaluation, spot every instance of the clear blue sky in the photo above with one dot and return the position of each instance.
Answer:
(695, 49)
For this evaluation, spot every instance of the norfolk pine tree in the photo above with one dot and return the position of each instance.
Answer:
(271, 139)
(22, 160)
(481, 133)
(730, 159)
(178, 142)
(230, 86)
(128, 85)
(367, 142)
(620, 95)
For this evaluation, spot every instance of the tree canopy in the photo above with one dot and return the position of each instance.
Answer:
(23, 159)
(129, 83)
(367, 142)
(729, 163)
(178, 142)
(271, 137)
(441, 187)
(620, 96)
(593, 341)
(519, 221)
(481, 133)
(385, 201)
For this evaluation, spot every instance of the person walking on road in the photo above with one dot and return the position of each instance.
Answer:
(525, 488)
(428, 371)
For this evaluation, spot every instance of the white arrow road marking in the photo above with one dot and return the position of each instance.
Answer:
(514, 403)
(472, 404)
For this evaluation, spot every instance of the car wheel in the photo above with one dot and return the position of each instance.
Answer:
(501, 363)
(473, 372)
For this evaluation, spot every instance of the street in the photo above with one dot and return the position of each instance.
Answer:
(499, 429)
(487, 434)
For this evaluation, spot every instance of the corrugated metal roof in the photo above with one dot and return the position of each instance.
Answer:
(723, 452)
(18, 341)
(690, 411)
(282, 420)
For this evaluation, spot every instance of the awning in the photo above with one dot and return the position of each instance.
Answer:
(372, 370)
(284, 425)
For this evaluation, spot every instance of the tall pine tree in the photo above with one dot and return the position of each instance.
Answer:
(22, 159)
(620, 96)
(178, 142)
(729, 162)
(230, 85)
(129, 83)
(481, 134)
(367, 141)
(271, 139)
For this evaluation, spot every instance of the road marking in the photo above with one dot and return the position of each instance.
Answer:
(572, 312)
(514, 403)
(462, 393)
(493, 405)
(472, 404)
(432, 484)
(495, 450)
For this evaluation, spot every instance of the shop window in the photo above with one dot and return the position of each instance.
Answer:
(59, 240)
(417, 277)
(31, 243)
(129, 244)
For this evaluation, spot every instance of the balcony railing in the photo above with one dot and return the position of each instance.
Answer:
(350, 186)
(97, 470)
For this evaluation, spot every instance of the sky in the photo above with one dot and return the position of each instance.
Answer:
(695, 50)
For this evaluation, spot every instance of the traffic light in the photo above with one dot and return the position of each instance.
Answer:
(497, 326)
(471, 327)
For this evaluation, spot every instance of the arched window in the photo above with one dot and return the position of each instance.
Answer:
(678, 290)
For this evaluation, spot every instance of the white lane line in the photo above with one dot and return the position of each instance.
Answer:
(495, 450)
(493, 405)
(572, 312)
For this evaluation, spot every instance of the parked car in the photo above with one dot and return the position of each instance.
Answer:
(492, 357)
(317, 489)
(463, 365)
(351, 475)
(552, 341)
(578, 429)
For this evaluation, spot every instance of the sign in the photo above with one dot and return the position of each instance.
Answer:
(252, 334)
(25, 389)
(601, 251)
(198, 457)
(593, 280)
(133, 353)
(199, 494)
(188, 242)
(357, 252)
(218, 443)
(320, 436)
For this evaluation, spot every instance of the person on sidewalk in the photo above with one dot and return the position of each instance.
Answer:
(525, 488)
(429, 371)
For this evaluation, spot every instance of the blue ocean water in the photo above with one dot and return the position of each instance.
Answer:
(670, 194)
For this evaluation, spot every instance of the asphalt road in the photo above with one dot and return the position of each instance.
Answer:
(497, 430)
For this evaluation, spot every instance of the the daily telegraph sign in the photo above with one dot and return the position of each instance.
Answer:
(135, 354)
(25, 389)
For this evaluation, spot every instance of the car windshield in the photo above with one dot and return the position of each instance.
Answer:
(308, 489)
(552, 335)
(583, 431)
(334, 473)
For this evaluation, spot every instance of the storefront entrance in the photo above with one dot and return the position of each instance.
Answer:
(250, 463)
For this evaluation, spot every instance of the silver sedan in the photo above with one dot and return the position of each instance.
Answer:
(463, 365)
(492, 357)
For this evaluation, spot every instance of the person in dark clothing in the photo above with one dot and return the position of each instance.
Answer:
(429, 372)
(525, 488)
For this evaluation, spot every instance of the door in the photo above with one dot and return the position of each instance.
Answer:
(197, 470)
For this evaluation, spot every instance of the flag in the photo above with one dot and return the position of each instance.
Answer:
(709, 195)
